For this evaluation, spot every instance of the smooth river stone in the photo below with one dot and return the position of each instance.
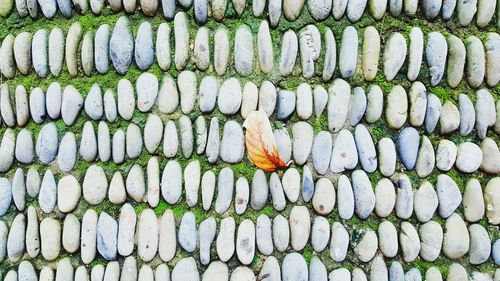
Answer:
(492, 48)
(397, 107)
(339, 96)
(407, 145)
(456, 60)
(435, 52)
(415, 53)
(344, 153)
(348, 56)
(243, 50)
(385, 198)
(121, 46)
(289, 48)
(265, 47)
(476, 62)
(394, 55)
(370, 53)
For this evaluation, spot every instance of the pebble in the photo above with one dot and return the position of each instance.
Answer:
(480, 244)
(302, 141)
(397, 107)
(153, 133)
(294, 267)
(345, 197)
(135, 184)
(283, 143)
(94, 107)
(289, 48)
(264, 235)
(409, 241)
(357, 106)
(446, 155)
(425, 202)
(338, 9)
(185, 269)
(491, 156)
(230, 95)
(225, 187)
(187, 88)
(321, 150)
(394, 55)
(485, 112)
(307, 184)
(300, 227)
(285, 104)
(469, 157)
(317, 270)
(243, 50)
(221, 51)
(225, 243)
(473, 201)
(213, 141)
(475, 65)
(265, 47)
(50, 237)
(171, 182)
(456, 237)
(147, 91)
(319, 9)
(404, 198)
(242, 196)
(344, 153)
(118, 146)
(71, 234)
(249, 99)
(65, 7)
(6, 195)
(53, 100)
(466, 11)
(260, 190)
(56, 50)
(72, 103)
(170, 140)
(147, 235)
(432, 113)
(22, 52)
(330, 55)
(339, 274)
(377, 8)
(491, 46)
(436, 51)
(87, 53)
(110, 107)
(270, 269)
(216, 270)
(281, 233)
(291, 184)
(363, 194)
(208, 93)
(88, 142)
(24, 151)
(201, 134)
(117, 194)
(407, 146)
(467, 115)
(366, 149)
(101, 49)
(32, 233)
(68, 193)
(456, 60)
(95, 185)
(32, 182)
(431, 238)
(121, 46)
(8, 64)
(371, 53)
(388, 242)
(16, 238)
(73, 38)
(309, 44)
(304, 101)
(46, 143)
(188, 233)
(133, 141)
(387, 157)
(355, 9)
(431, 8)
(367, 246)
(267, 97)
(218, 9)
(448, 194)
(385, 196)
(47, 197)
(277, 193)
(292, 9)
(426, 158)
(348, 55)
(320, 233)
(245, 242)
(491, 200)
(107, 236)
(418, 104)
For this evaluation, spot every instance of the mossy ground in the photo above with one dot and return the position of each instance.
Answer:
(388, 24)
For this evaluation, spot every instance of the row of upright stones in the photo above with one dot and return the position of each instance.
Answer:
(316, 202)
(464, 11)
(449, 58)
